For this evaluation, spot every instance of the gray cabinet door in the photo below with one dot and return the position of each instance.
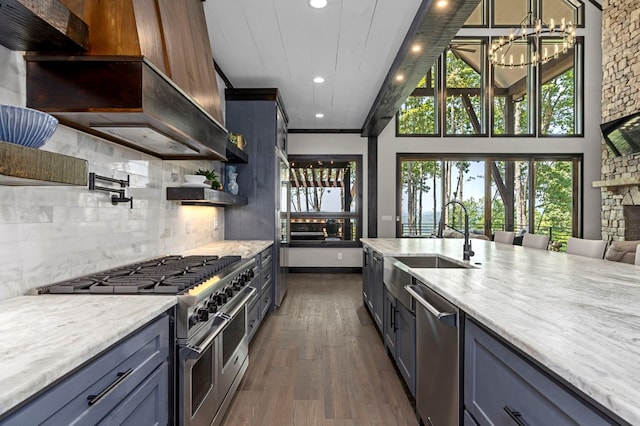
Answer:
(368, 282)
(406, 346)
(378, 290)
(501, 386)
(146, 405)
(389, 317)
(96, 391)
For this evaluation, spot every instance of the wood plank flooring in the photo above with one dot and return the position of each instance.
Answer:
(319, 360)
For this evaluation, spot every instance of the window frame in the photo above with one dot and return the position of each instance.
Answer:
(357, 214)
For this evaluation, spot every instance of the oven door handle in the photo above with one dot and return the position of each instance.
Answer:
(194, 351)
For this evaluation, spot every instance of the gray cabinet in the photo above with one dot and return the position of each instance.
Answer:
(373, 285)
(389, 326)
(262, 302)
(367, 274)
(406, 345)
(400, 338)
(259, 116)
(502, 387)
(128, 384)
(378, 289)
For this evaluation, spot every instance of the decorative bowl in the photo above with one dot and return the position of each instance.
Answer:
(25, 126)
(194, 178)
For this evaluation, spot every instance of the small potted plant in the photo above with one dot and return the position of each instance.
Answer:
(211, 177)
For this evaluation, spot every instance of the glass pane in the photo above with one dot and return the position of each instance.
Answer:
(554, 199)
(320, 187)
(509, 12)
(418, 114)
(557, 102)
(463, 181)
(560, 9)
(421, 193)
(477, 17)
(308, 227)
(463, 87)
(511, 83)
(509, 199)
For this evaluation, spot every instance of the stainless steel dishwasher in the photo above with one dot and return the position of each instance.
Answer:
(438, 343)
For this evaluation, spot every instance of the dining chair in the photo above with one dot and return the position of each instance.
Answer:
(588, 248)
(538, 241)
(505, 237)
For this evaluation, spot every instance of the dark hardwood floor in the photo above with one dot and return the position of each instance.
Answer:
(319, 360)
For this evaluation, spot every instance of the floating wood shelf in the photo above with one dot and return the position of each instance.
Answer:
(204, 196)
(235, 154)
(21, 166)
(633, 180)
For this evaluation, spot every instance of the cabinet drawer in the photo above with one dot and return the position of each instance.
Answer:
(266, 259)
(266, 300)
(266, 278)
(147, 404)
(498, 380)
(89, 394)
(253, 315)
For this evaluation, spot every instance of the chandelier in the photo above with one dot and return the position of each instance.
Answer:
(532, 28)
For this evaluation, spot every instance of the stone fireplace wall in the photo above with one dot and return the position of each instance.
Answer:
(620, 97)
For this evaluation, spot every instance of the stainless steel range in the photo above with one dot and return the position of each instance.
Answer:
(211, 322)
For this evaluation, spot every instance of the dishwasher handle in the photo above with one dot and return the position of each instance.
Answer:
(447, 318)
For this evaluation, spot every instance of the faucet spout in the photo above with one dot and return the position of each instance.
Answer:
(467, 251)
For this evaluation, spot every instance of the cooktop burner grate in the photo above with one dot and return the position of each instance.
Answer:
(167, 275)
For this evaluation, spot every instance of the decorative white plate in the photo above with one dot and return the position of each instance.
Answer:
(195, 185)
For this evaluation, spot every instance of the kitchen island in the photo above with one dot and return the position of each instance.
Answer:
(576, 317)
(47, 337)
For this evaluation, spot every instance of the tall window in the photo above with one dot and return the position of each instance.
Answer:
(464, 88)
(537, 195)
(541, 100)
(326, 200)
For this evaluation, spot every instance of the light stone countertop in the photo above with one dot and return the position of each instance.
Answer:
(248, 248)
(47, 336)
(579, 317)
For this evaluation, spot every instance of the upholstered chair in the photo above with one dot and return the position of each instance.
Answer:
(505, 237)
(538, 241)
(588, 248)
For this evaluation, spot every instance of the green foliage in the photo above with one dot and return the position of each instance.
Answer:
(211, 176)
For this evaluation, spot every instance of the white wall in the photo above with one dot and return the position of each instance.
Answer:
(329, 144)
(48, 234)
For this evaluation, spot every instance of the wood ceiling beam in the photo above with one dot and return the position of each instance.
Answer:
(433, 29)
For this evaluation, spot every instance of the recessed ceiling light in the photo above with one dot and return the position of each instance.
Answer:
(399, 77)
(318, 4)
(318, 80)
(416, 48)
(442, 3)
(319, 115)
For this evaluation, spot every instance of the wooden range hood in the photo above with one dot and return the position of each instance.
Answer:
(147, 80)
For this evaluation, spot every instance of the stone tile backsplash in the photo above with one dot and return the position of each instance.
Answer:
(48, 234)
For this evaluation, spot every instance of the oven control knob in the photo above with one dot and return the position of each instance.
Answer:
(212, 307)
(218, 299)
(250, 274)
(229, 291)
(223, 298)
(202, 314)
(193, 320)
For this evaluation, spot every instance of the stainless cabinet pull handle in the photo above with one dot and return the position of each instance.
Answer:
(120, 376)
(448, 318)
(515, 416)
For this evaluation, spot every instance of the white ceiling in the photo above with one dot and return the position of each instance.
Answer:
(286, 43)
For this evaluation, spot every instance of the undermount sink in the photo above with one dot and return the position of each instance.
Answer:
(434, 261)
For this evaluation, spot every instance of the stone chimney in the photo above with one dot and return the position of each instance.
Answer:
(620, 183)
